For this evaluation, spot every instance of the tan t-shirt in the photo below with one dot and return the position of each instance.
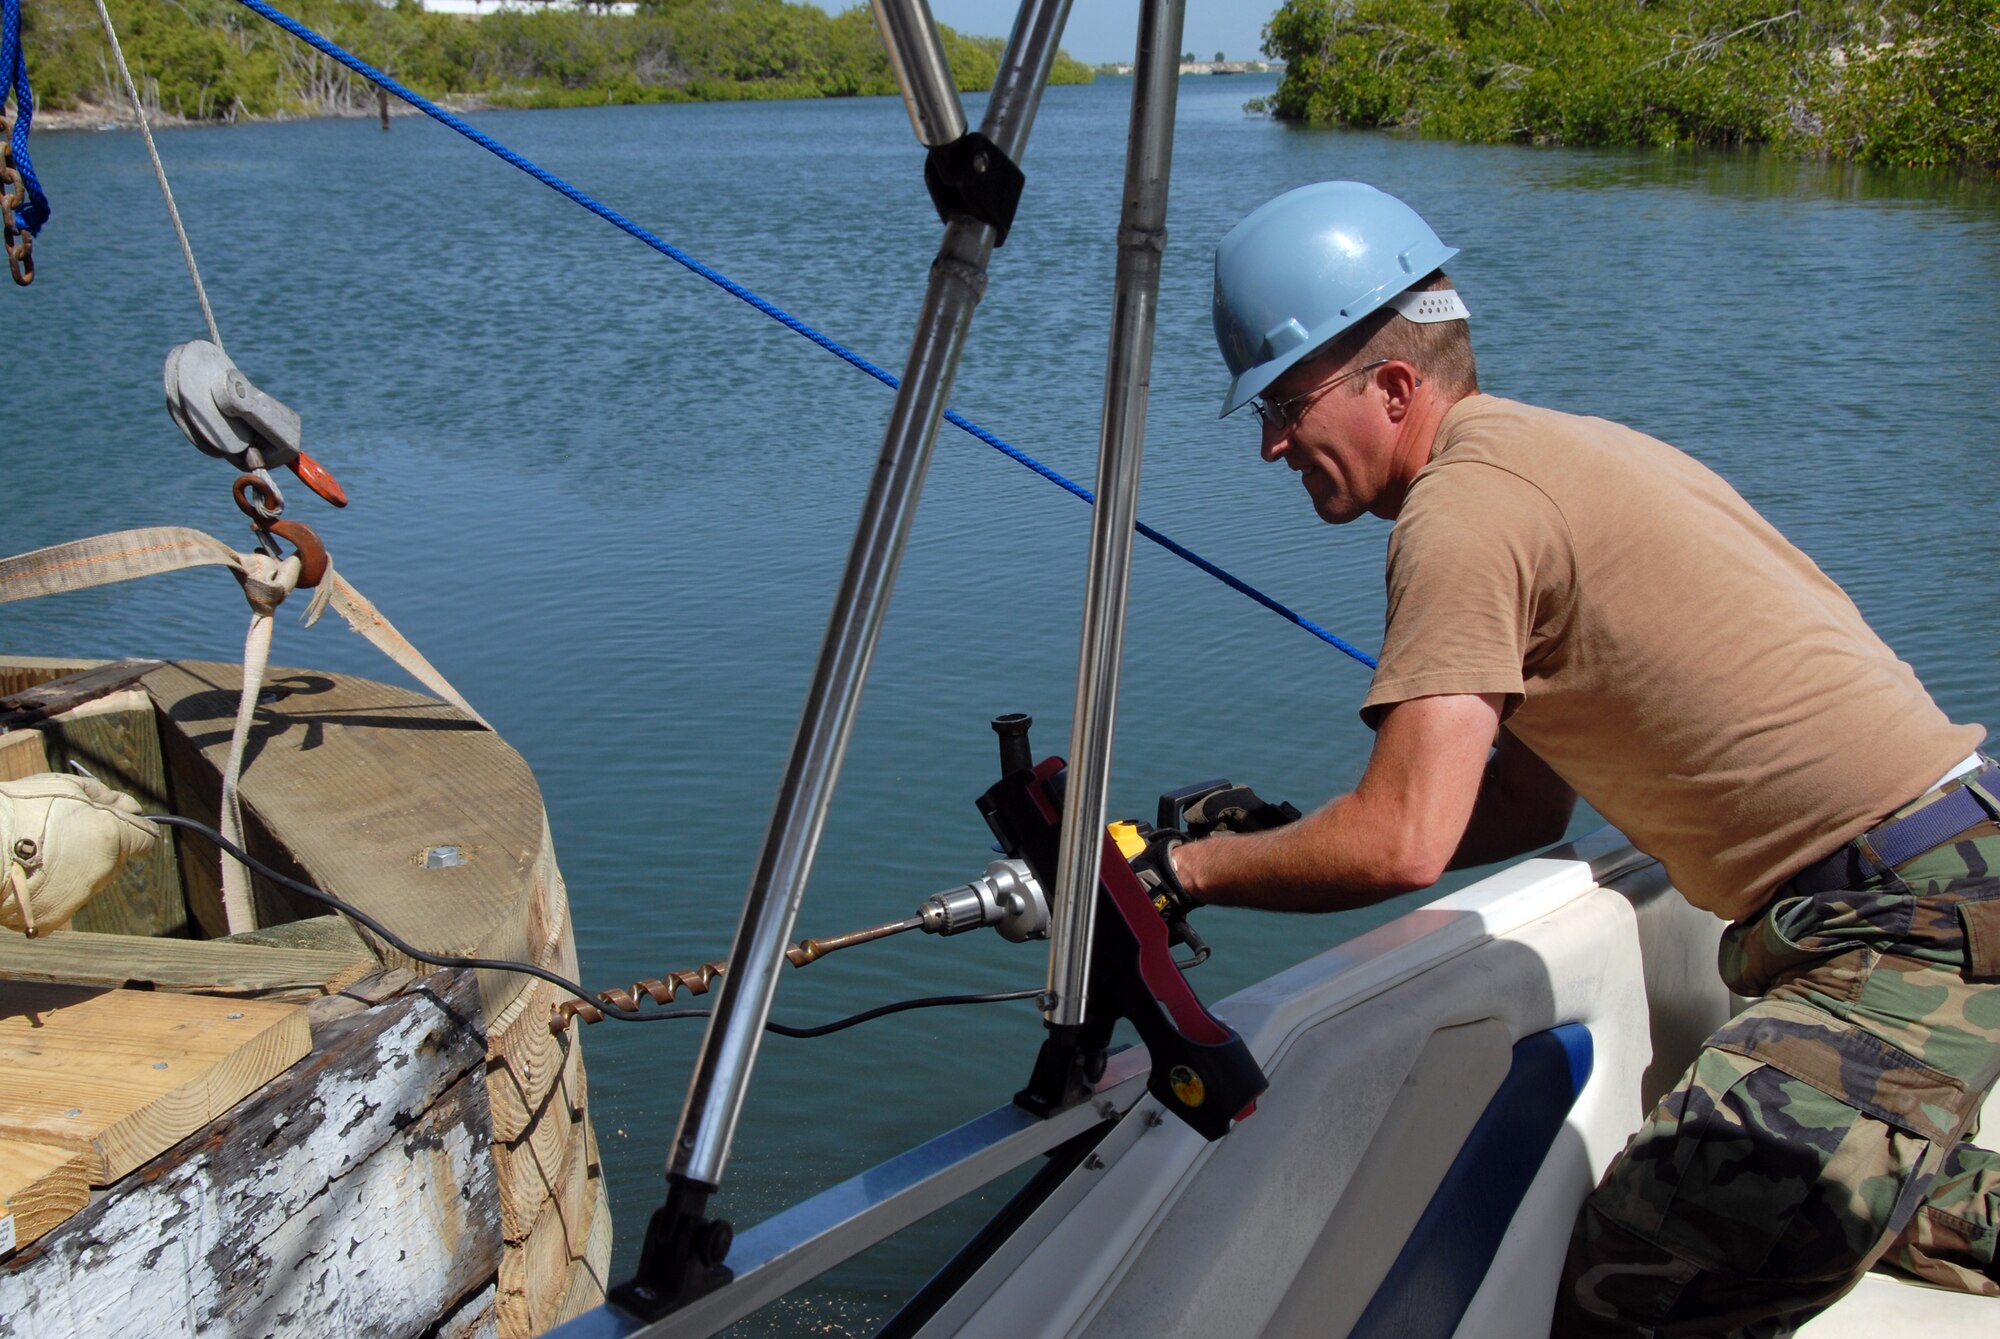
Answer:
(1660, 645)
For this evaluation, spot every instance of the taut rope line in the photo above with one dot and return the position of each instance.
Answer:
(160, 173)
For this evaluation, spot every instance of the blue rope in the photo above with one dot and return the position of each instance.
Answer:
(770, 309)
(14, 79)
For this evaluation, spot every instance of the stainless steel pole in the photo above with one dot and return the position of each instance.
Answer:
(958, 279)
(916, 54)
(1142, 237)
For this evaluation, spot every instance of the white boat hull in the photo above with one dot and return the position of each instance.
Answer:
(1382, 1054)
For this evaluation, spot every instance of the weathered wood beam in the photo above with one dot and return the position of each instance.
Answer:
(40, 1186)
(189, 966)
(22, 755)
(122, 1074)
(55, 696)
(351, 1196)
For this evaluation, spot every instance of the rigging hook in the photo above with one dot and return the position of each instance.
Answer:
(313, 562)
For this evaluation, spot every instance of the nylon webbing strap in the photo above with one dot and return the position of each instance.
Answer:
(104, 559)
(267, 584)
(130, 554)
(1933, 825)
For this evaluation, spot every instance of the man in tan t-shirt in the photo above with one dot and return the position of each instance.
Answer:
(1576, 608)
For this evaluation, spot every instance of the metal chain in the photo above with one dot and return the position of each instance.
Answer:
(20, 242)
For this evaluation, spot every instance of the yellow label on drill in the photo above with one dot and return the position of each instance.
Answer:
(1126, 834)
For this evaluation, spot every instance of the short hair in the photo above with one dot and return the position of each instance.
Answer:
(1440, 350)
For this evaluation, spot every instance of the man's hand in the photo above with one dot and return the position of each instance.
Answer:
(1155, 868)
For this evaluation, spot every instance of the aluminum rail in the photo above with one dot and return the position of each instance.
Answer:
(1142, 238)
(916, 54)
(958, 279)
(803, 1242)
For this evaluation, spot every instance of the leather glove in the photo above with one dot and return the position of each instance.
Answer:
(62, 839)
(1236, 809)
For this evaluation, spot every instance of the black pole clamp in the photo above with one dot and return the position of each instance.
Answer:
(681, 1256)
(971, 178)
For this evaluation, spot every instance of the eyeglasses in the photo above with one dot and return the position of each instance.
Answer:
(1279, 413)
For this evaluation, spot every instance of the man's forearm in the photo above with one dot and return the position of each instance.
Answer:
(1396, 832)
(1330, 860)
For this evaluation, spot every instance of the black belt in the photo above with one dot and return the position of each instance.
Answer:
(1901, 839)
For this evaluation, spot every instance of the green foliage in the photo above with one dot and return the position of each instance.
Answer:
(1875, 80)
(214, 60)
(1927, 92)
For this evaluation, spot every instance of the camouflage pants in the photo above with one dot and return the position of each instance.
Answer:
(1823, 1128)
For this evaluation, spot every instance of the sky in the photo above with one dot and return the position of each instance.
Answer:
(1103, 31)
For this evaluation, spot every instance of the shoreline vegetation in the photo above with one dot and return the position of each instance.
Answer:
(1887, 82)
(204, 62)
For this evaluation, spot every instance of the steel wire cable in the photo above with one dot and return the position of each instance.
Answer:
(775, 312)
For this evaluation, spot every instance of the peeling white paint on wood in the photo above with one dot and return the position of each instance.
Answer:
(354, 1196)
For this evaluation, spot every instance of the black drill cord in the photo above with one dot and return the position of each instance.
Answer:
(611, 1010)
(928, 1002)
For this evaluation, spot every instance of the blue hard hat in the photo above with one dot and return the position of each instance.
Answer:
(1306, 266)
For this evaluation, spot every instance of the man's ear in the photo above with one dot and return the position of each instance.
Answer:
(1398, 381)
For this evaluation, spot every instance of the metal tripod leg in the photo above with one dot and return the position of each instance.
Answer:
(1142, 236)
(684, 1249)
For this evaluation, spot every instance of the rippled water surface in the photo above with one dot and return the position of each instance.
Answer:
(611, 502)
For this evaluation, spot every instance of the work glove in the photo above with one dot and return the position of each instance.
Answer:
(62, 839)
(1236, 809)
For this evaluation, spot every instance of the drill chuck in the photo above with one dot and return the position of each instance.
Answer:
(1006, 897)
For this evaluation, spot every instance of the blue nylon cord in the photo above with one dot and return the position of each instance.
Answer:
(770, 309)
(14, 79)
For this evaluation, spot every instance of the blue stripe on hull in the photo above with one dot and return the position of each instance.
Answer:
(1449, 1251)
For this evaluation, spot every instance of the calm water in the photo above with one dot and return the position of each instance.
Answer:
(611, 502)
